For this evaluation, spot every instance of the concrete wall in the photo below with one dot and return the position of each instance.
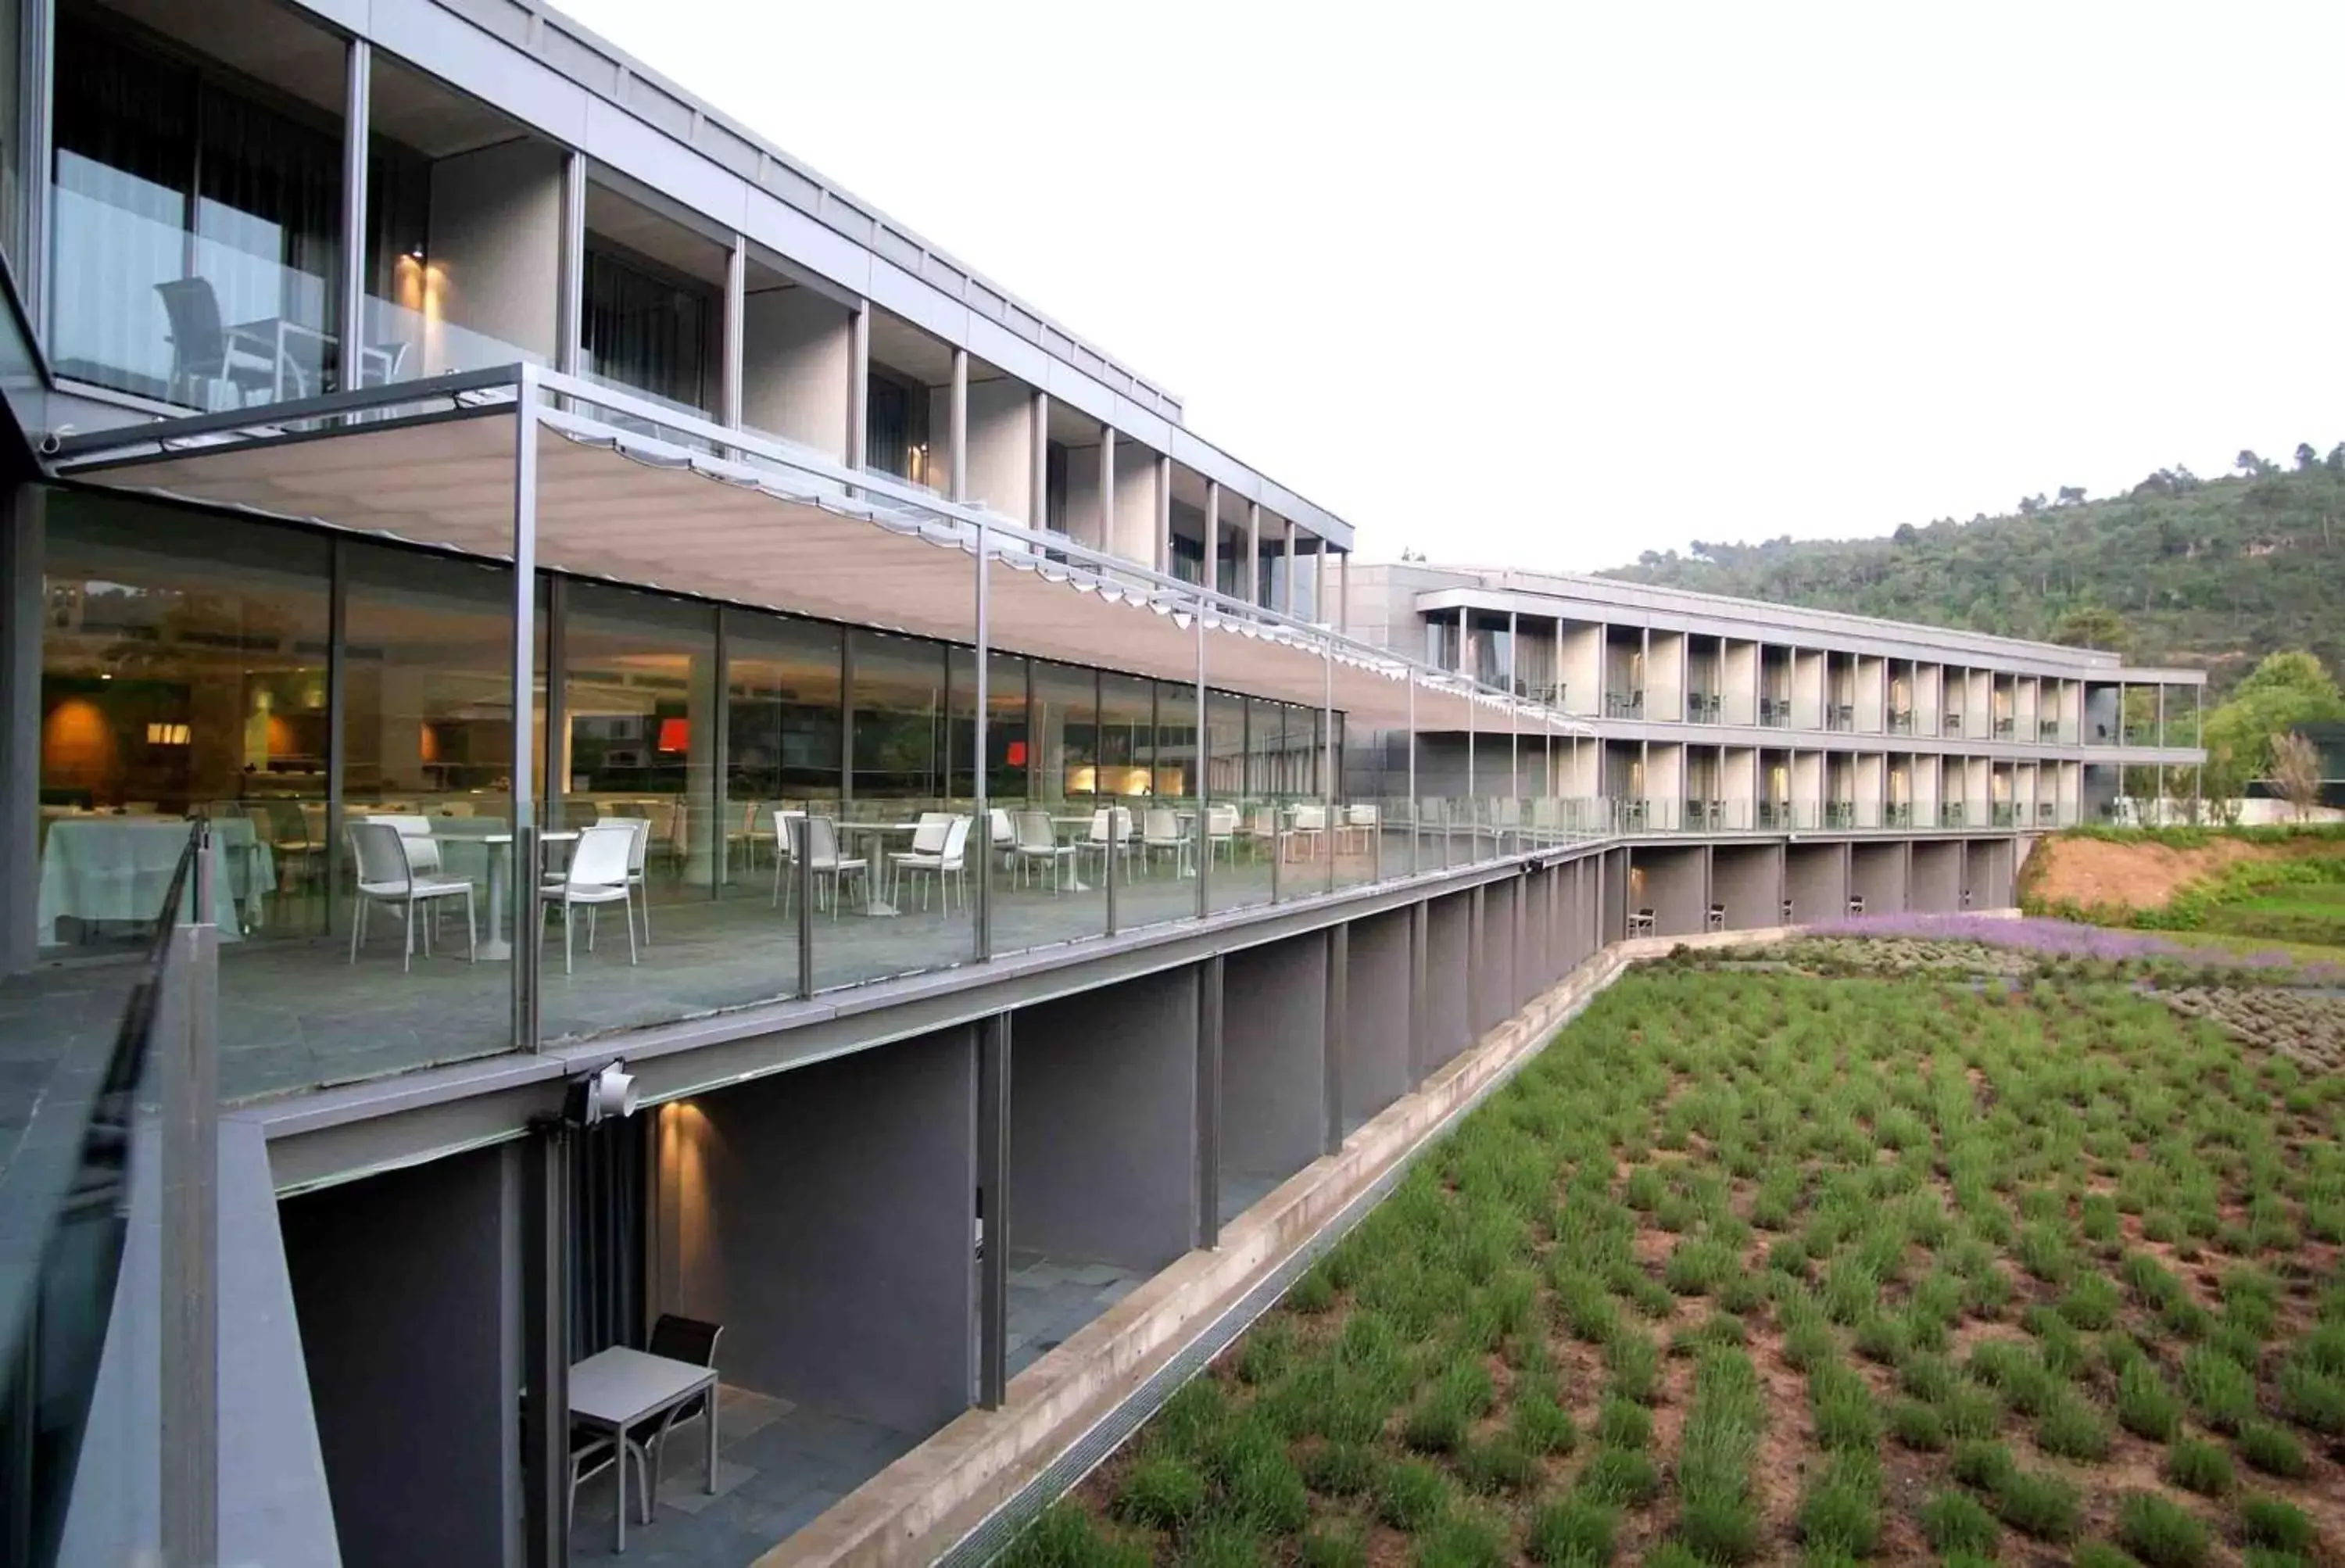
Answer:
(1375, 1043)
(406, 1287)
(1748, 879)
(1448, 1021)
(826, 1217)
(1135, 504)
(1000, 445)
(1989, 873)
(1274, 1061)
(1540, 963)
(494, 263)
(1937, 877)
(1102, 1141)
(1877, 874)
(797, 350)
(1494, 974)
(1675, 888)
(1613, 921)
(1815, 879)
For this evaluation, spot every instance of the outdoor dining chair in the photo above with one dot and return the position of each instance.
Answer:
(387, 874)
(693, 1342)
(1160, 833)
(950, 859)
(1039, 840)
(597, 875)
(1222, 831)
(928, 841)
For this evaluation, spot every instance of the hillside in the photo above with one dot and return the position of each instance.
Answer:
(2212, 574)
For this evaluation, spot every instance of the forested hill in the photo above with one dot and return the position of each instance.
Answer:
(2212, 574)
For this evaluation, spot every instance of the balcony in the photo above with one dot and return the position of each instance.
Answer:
(2048, 730)
(1898, 814)
(1624, 704)
(1775, 712)
(1839, 813)
(1703, 815)
(1950, 813)
(2004, 814)
(1775, 814)
(1704, 707)
(1900, 722)
(1841, 716)
(2005, 727)
(1952, 724)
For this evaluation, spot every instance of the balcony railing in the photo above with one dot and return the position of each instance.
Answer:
(1704, 707)
(1774, 712)
(1952, 724)
(1841, 716)
(2047, 729)
(1950, 813)
(2004, 728)
(1900, 722)
(2004, 814)
(2046, 812)
(1624, 704)
(1898, 814)
(2141, 735)
(1839, 813)
(1702, 815)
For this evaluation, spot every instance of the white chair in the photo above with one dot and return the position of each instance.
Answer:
(788, 830)
(1110, 839)
(756, 828)
(1641, 923)
(387, 875)
(415, 838)
(597, 875)
(928, 841)
(1222, 831)
(950, 859)
(1359, 825)
(1160, 833)
(823, 862)
(1262, 828)
(1002, 835)
(1037, 841)
(637, 853)
(1308, 826)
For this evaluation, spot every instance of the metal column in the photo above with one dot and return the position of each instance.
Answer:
(993, 1070)
(336, 722)
(1204, 777)
(358, 78)
(1415, 830)
(569, 294)
(1106, 540)
(1419, 915)
(981, 830)
(1165, 517)
(1038, 496)
(737, 330)
(525, 853)
(1286, 570)
(858, 387)
(957, 475)
(1209, 1102)
(545, 1343)
(1254, 594)
(1327, 759)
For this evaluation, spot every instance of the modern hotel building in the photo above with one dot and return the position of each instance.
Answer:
(462, 489)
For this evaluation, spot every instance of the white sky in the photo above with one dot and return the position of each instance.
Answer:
(1549, 284)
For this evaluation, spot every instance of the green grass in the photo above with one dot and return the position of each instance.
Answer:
(1936, 1196)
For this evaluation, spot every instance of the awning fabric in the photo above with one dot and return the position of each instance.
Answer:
(632, 509)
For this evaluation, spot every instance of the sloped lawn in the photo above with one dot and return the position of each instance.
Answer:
(1907, 1251)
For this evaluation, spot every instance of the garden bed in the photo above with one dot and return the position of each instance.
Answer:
(1936, 1248)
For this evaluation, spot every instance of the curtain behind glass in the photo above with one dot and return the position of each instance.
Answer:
(607, 1231)
(646, 331)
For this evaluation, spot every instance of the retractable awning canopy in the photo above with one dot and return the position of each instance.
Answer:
(627, 508)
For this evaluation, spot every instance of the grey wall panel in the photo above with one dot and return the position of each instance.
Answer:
(1877, 874)
(1539, 952)
(1990, 873)
(1273, 1028)
(1937, 878)
(826, 1219)
(1614, 875)
(1375, 1043)
(1815, 877)
(1102, 1111)
(1675, 888)
(399, 1287)
(1448, 1020)
(1494, 971)
(1748, 879)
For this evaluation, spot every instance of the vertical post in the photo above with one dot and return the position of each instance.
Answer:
(337, 751)
(550, 813)
(1204, 776)
(1337, 1029)
(189, 1308)
(545, 1343)
(1212, 572)
(981, 830)
(858, 387)
(1254, 594)
(736, 328)
(2161, 713)
(1477, 952)
(37, 70)
(1164, 519)
(1209, 1103)
(1327, 759)
(523, 849)
(1106, 540)
(957, 428)
(1344, 591)
(21, 525)
(1114, 837)
(1286, 570)
(570, 295)
(720, 748)
(357, 73)
(993, 1047)
(1514, 723)
(1038, 495)
(1319, 584)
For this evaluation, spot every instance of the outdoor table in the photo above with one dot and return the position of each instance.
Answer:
(875, 860)
(497, 949)
(118, 868)
(614, 1390)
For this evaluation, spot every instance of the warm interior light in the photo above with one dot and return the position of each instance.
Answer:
(159, 733)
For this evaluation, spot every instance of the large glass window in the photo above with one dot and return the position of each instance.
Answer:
(1127, 748)
(184, 673)
(1006, 741)
(900, 716)
(1065, 721)
(196, 224)
(647, 329)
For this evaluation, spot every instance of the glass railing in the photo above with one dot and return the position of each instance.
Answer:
(142, 305)
(1952, 724)
(402, 343)
(1840, 715)
(2142, 735)
(2005, 814)
(1839, 813)
(1900, 722)
(1624, 702)
(2004, 726)
(1705, 708)
(1775, 712)
(66, 1215)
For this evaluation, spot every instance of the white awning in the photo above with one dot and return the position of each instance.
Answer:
(629, 509)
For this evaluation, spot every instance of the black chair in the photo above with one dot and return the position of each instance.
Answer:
(693, 1343)
(203, 349)
(590, 1454)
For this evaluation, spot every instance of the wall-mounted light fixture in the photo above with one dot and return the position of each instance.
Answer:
(607, 1092)
(159, 733)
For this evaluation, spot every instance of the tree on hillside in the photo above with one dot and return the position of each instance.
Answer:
(2092, 626)
(2071, 495)
(2252, 466)
(2306, 458)
(2285, 692)
(2296, 772)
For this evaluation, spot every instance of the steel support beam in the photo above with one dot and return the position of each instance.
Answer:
(1337, 1030)
(1209, 1102)
(523, 675)
(358, 78)
(187, 1051)
(545, 1344)
(993, 1071)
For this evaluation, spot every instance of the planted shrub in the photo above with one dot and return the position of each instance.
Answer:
(2200, 1466)
(2161, 1533)
(2271, 1449)
(1574, 1532)
(2037, 1503)
(2281, 1526)
(1956, 1522)
(1161, 1492)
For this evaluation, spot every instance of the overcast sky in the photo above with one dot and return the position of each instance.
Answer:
(1552, 284)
